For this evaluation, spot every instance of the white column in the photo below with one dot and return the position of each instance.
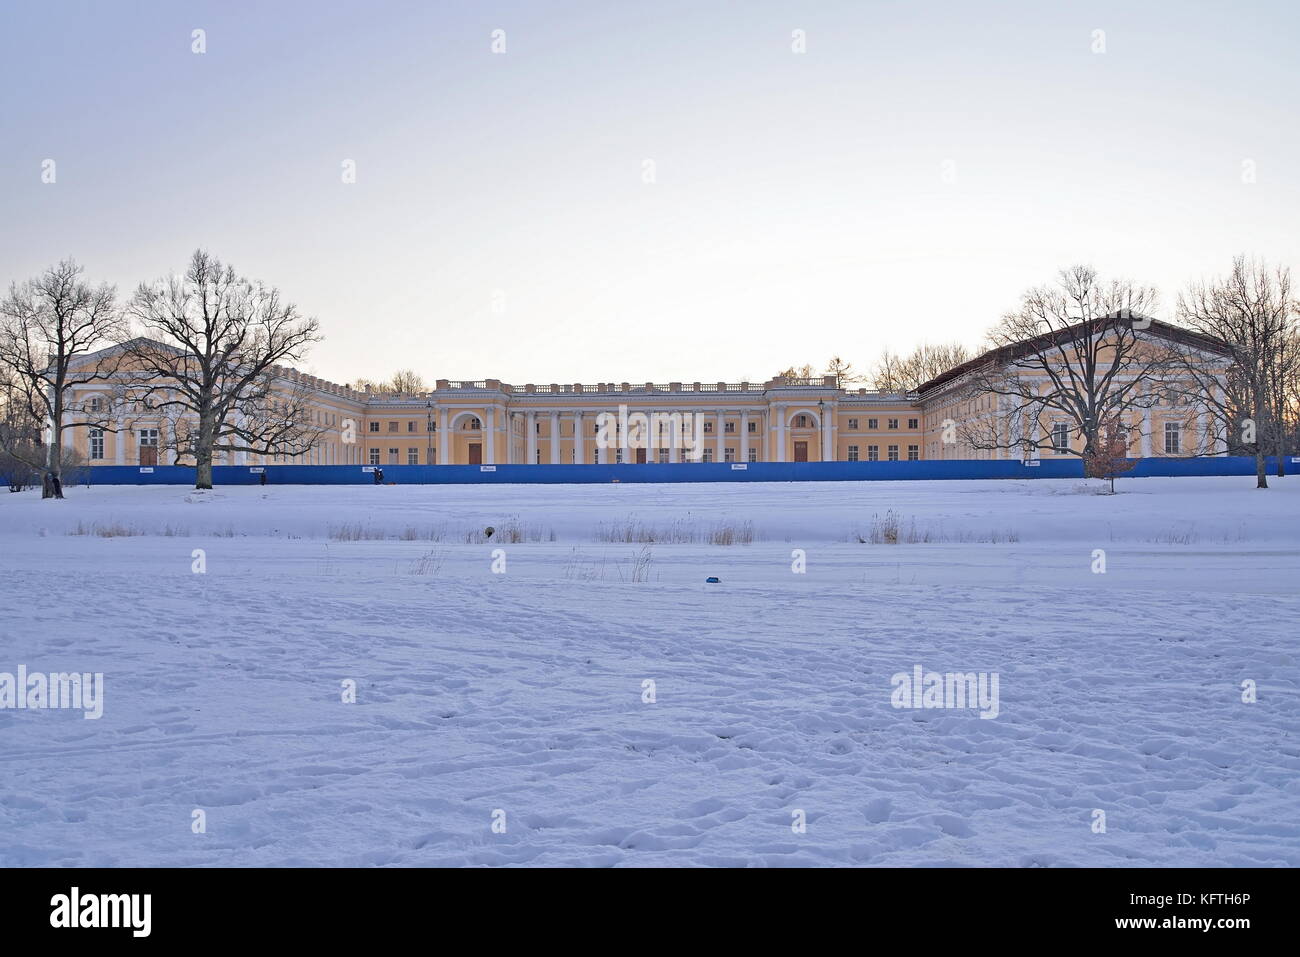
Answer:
(555, 438)
(780, 434)
(1146, 433)
(119, 441)
(444, 440)
(827, 418)
(489, 437)
(720, 440)
(579, 450)
(744, 436)
(531, 425)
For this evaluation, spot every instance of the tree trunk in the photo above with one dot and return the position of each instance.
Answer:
(203, 468)
(1261, 469)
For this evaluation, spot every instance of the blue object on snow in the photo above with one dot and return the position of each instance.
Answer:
(713, 580)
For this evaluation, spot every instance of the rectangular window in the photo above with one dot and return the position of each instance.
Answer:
(374, 426)
(853, 453)
(410, 425)
(618, 456)
(753, 454)
(873, 424)
(753, 427)
(893, 453)
(873, 453)
(708, 427)
(1061, 437)
(853, 424)
(96, 443)
(1173, 438)
(393, 455)
(708, 455)
(913, 423)
(913, 453)
(663, 456)
(392, 426)
(893, 423)
(729, 454)
(729, 428)
(374, 456)
(412, 456)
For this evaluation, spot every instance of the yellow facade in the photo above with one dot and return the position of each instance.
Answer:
(491, 422)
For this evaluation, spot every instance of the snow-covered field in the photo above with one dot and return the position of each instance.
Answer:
(485, 687)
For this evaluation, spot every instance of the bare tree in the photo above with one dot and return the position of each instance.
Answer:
(804, 371)
(843, 371)
(209, 361)
(1251, 313)
(407, 382)
(49, 326)
(895, 373)
(1072, 358)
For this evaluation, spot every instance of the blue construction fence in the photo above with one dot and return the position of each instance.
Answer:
(653, 472)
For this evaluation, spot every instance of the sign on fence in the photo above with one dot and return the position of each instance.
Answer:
(257, 470)
(487, 468)
(146, 470)
(739, 466)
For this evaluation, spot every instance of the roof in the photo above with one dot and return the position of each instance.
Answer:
(1018, 350)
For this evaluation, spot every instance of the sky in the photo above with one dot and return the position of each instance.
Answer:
(662, 191)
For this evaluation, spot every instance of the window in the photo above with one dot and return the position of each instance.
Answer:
(708, 428)
(729, 427)
(1173, 438)
(893, 453)
(538, 457)
(853, 453)
(412, 456)
(392, 426)
(96, 404)
(913, 453)
(753, 455)
(1061, 437)
(374, 426)
(663, 456)
(753, 427)
(801, 421)
(393, 455)
(96, 443)
(618, 456)
(913, 423)
(410, 426)
(374, 456)
(873, 453)
(873, 424)
(708, 455)
(853, 424)
(729, 454)
(148, 438)
(473, 425)
(595, 457)
(893, 423)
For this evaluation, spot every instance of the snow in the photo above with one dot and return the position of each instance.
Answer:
(522, 691)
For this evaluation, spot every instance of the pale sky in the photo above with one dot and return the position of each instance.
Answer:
(500, 225)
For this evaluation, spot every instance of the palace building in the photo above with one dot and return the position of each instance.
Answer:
(487, 422)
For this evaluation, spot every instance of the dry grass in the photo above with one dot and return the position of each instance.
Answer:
(893, 529)
(113, 529)
(677, 532)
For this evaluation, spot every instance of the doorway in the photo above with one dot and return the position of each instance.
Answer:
(475, 453)
(801, 451)
(640, 456)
